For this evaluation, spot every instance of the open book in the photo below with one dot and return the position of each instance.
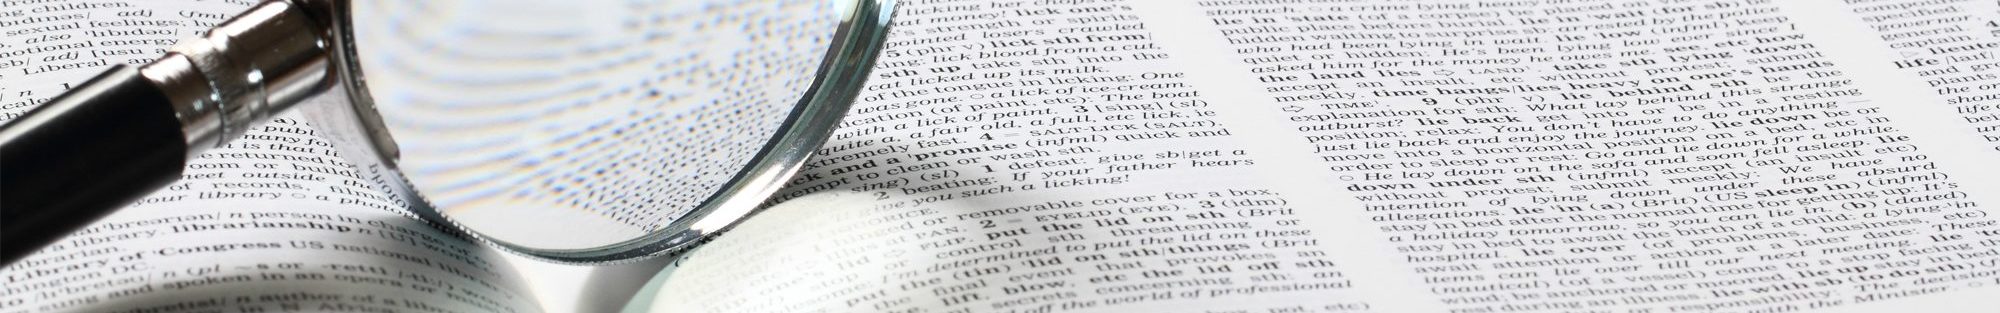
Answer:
(1195, 156)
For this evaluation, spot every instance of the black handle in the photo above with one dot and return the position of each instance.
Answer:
(83, 155)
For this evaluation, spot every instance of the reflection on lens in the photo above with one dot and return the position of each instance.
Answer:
(577, 124)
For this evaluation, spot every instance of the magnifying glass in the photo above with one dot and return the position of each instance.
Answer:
(575, 131)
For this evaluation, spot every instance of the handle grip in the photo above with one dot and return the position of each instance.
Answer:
(83, 155)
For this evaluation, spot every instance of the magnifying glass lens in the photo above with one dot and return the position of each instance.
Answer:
(566, 125)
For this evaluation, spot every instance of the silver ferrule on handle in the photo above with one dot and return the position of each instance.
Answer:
(242, 72)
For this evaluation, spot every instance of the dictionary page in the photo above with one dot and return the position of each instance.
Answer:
(1395, 156)
(275, 222)
(1615, 155)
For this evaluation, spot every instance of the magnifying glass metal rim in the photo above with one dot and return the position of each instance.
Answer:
(837, 82)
